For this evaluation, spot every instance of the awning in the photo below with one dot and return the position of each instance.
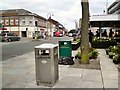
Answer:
(105, 23)
(3, 28)
(110, 20)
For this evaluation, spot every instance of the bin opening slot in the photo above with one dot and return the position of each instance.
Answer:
(64, 43)
(44, 52)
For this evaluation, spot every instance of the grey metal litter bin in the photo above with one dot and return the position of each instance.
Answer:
(46, 63)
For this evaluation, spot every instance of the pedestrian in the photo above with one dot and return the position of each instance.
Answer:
(91, 35)
(45, 35)
(97, 34)
(116, 33)
(111, 33)
(104, 34)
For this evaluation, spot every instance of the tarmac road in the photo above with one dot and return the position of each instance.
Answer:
(13, 49)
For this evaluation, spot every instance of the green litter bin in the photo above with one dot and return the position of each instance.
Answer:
(65, 49)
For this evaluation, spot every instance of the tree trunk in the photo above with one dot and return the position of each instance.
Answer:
(84, 32)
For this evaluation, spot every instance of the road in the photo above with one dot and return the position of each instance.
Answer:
(13, 49)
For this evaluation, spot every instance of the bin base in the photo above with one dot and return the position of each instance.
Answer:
(46, 83)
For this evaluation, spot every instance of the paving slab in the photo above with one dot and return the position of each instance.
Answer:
(73, 72)
(110, 83)
(91, 84)
(111, 75)
(92, 77)
(109, 70)
(92, 72)
(19, 72)
(68, 82)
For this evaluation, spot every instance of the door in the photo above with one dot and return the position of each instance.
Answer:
(24, 34)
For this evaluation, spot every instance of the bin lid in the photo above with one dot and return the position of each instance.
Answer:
(46, 45)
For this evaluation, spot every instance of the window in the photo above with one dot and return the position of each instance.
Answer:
(23, 21)
(10, 34)
(44, 24)
(40, 23)
(30, 22)
(11, 21)
(2, 21)
(6, 22)
(16, 21)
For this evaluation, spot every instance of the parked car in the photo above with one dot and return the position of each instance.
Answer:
(8, 37)
(70, 34)
(58, 34)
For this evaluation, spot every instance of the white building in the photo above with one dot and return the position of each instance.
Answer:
(114, 8)
(22, 22)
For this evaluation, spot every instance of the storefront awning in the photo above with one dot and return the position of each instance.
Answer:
(109, 20)
(3, 28)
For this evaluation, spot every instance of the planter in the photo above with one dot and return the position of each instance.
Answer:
(107, 52)
(92, 54)
(75, 45)
(103, 43)
(116, 59)
(111, 56)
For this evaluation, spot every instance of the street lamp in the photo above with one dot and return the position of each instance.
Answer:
(76, 25)
(49, 18)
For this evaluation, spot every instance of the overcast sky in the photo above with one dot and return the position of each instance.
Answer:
(64, 11)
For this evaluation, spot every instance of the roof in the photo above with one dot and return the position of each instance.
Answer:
(56, 23)
(39, 17)
(111, 20)
(15, 12)
(109, 17)
(20, 12)
(53, 21)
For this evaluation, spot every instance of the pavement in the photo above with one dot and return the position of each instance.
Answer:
(19, 72)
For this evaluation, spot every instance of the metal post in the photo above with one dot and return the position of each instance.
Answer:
(76, 26)
(50, 22)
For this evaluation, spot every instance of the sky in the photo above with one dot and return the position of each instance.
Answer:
(67, 12)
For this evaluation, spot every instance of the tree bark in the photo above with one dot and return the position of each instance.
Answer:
(84, 32)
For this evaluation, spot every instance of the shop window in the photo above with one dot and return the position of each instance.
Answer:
(2, 21)
(6, 22)
(30, 22)
(23, 22)
(16, 22)
(11, 21)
